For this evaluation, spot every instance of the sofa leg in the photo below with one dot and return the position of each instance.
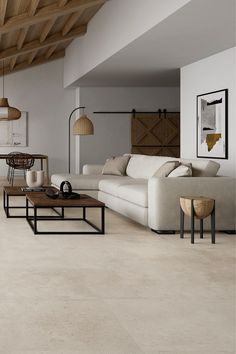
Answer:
(164, 232)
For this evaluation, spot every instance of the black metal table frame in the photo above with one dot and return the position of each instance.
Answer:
(201, 224)
(33, 220)
(7, 207)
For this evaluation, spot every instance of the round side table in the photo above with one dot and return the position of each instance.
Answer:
(200, 208)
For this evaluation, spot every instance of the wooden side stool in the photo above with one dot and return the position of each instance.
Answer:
(201, 208)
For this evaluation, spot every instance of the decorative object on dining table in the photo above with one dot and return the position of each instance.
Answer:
(82, 126)
(34, 178)
(212, 124)
(6, 112)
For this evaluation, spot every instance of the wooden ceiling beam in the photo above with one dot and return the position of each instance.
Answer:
(3, 9)
(71, 21)
(12, 63)
(45, 13)
(50, 51)
(46, 29)
(37, 61)
(33, 7)
(31, 56)
(35, 45)
(21, 38)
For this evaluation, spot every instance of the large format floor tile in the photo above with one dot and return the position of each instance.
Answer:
(128, 292)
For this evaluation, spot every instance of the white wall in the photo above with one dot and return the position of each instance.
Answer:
(213, 73)
(40, 92)
(118, 23)
(112, 134)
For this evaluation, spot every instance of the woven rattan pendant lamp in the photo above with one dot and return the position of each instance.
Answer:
(83, 126)
(7, 112)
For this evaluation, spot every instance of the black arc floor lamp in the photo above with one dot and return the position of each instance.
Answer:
(82, 126)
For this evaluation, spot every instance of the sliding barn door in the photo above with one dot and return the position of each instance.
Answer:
(156, 134)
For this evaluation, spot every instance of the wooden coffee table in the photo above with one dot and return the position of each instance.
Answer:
(40, 200)
(15, 191)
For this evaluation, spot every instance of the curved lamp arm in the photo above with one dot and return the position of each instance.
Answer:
(74, 110)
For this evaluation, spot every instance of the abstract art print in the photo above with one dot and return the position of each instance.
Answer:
(15, 132)
(212, 125)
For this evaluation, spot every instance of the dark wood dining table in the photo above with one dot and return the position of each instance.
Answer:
(43, 163)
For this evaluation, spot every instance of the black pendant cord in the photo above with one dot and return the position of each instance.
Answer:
(3, 80)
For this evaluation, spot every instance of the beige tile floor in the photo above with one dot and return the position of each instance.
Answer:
(128, 292)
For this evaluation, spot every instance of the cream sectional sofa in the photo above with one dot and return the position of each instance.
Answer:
(153, 201)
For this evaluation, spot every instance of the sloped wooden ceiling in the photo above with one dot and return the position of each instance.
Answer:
(33, 32)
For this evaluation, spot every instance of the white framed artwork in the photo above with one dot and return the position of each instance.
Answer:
(15, 132)
(212, 125)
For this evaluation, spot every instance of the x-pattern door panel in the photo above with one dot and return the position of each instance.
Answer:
(156, 134)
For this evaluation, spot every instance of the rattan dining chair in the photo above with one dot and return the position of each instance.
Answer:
(9, 164)
(18, 161)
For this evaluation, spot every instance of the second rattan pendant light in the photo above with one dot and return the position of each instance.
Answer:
(7, 112)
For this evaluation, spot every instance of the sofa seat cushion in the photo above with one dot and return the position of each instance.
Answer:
(135, 193)
(111, 186)
(81, 182)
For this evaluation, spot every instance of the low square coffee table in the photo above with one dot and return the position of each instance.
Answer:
(16, 191)
(40, 200)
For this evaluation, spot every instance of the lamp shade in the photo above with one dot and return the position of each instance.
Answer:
(7, 112)
(83, 126)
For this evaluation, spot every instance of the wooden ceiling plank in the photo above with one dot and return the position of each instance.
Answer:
(47, 28)
(31, 56)
(33, 7)
(62, 3)
(71, 21)
(21, 38)
(12, 63)
(50, 51)
(35, 45)
(47, 12)
(3, 9)
(37, 61)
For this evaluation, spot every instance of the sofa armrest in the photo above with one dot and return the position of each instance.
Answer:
(92, 169)
(164, 194)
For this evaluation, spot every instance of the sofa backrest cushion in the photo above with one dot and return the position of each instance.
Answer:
(144, 166)
(116, 165)
(166, 169)
(203, 168)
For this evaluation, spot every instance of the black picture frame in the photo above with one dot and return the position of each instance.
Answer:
(212, 124)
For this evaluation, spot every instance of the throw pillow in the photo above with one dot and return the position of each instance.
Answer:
(183, 170)
(116, 165)
(166, 168)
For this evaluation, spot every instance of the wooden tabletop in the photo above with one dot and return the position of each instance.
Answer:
(16, 190)
(40, 199)
(35, 156)
(196, 198)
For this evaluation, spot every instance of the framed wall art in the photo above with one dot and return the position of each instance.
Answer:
(212, 125)
(15, 132)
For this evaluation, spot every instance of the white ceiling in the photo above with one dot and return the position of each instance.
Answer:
(199, 29)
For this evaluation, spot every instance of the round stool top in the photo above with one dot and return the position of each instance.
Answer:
(202, 206)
